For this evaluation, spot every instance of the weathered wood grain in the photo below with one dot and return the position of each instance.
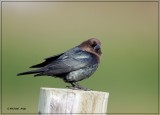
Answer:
(68, 101)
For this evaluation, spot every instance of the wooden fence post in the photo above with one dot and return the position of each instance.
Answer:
(68, 101)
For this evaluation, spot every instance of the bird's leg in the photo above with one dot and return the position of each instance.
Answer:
(82, 88)
(76, 86)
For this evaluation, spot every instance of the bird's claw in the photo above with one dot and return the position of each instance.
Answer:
(78, 88)
(71, 87)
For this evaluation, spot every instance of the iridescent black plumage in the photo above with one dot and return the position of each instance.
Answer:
(73, 65)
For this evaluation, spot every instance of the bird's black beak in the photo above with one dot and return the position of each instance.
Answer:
(97, 48)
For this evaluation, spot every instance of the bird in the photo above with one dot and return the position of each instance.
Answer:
(72, 66)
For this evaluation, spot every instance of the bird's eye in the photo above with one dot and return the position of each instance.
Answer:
(93, 44)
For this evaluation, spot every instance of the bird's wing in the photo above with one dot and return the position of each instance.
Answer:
(47, 61)
(70, 61)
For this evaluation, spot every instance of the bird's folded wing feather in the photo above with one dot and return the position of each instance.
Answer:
(71, 61)
(47, 61)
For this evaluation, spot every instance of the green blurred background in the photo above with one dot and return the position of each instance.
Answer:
(32, 31)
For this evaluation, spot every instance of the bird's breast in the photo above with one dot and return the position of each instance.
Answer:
(81, 74)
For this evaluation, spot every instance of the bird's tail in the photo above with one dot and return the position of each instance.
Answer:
(30, 72)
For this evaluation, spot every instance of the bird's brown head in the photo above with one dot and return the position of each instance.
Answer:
(92, 45)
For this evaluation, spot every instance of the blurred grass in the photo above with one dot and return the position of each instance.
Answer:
(128, 31)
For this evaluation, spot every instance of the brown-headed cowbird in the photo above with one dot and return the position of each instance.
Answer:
(73, 65)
